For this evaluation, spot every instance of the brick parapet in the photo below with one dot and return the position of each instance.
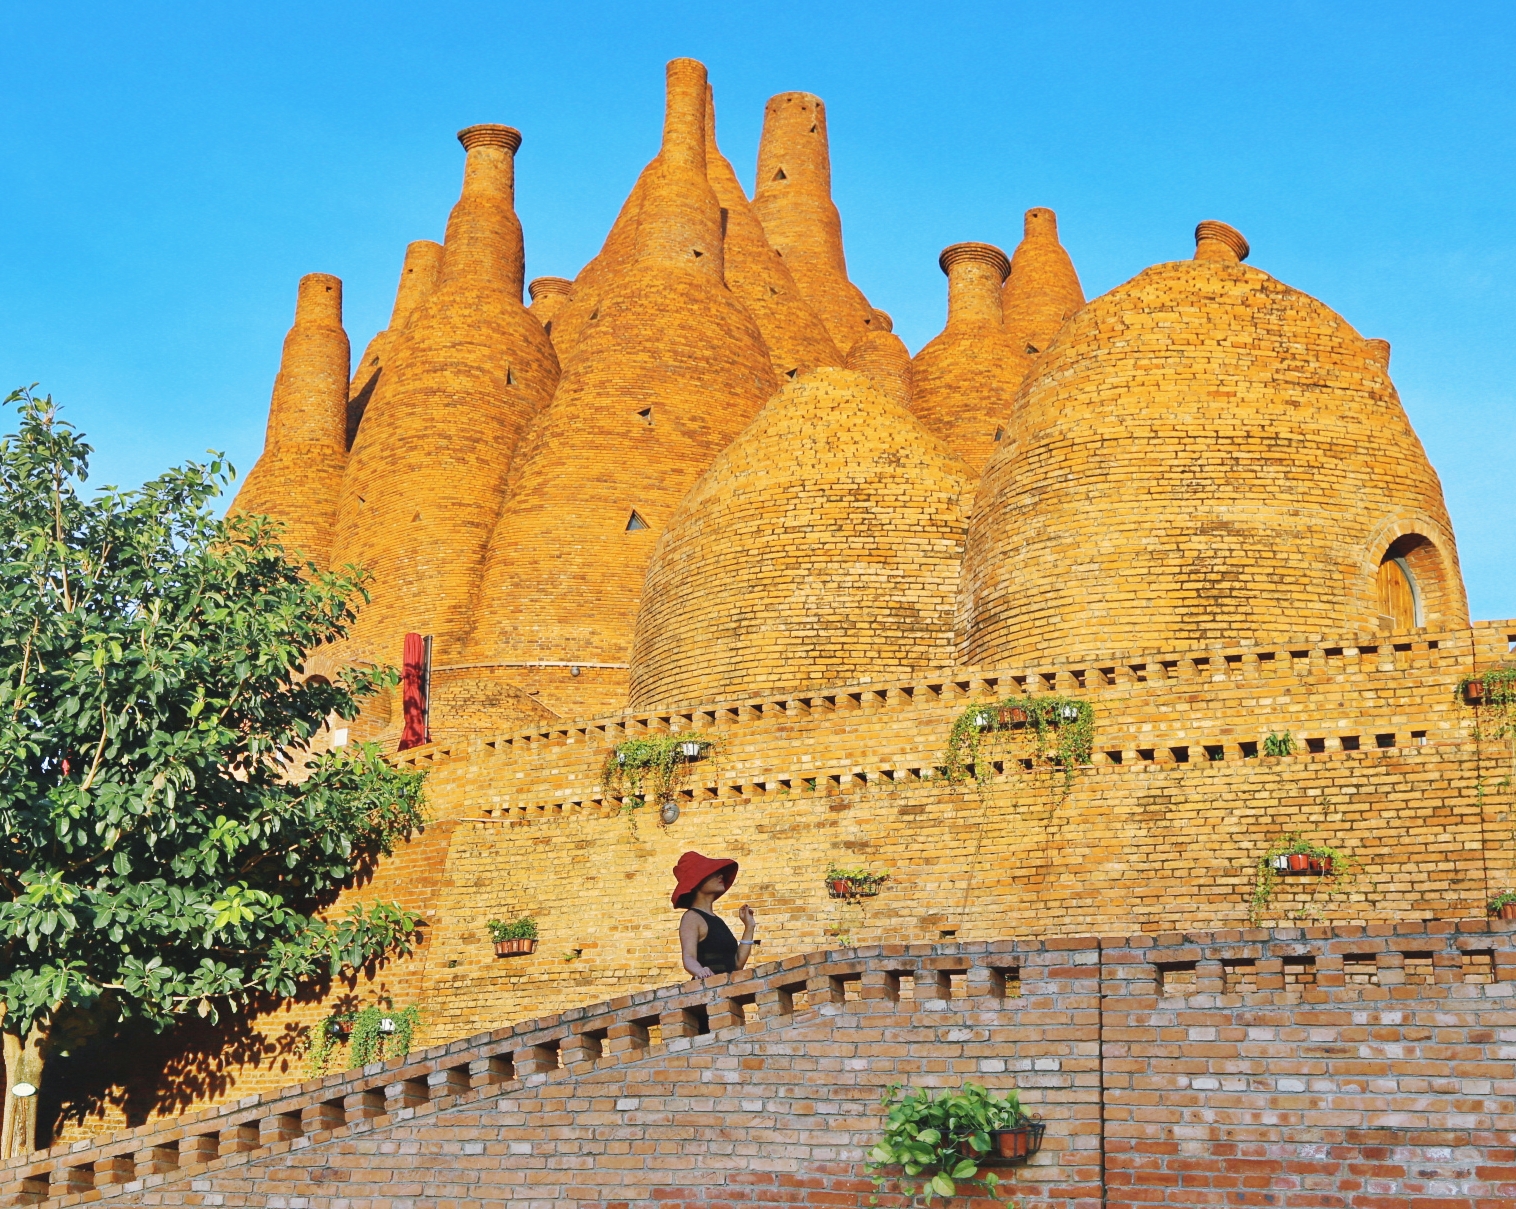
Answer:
(1144, 1087)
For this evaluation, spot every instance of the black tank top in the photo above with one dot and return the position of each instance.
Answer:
(718, 951)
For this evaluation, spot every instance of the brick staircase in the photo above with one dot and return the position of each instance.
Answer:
(1361, 1067)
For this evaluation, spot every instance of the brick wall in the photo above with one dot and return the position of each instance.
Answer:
(1353, 1066)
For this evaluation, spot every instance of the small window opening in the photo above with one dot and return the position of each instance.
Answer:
(999, 434)
(780, 176)
(1419, 737)
(1032, 350)
(1181, 754)
(510, 376)
(635, 522)
(790, 373)
(548, 327)
(1147, 753)
(417, 517)
(814, 129)
(647, 414)
(725, 214)
(1317, 745)
(595, 314)
(1350, 743)
(698, 253)
(1215, 751)
(1384, 740)
(1249, 749)
(1113, 756)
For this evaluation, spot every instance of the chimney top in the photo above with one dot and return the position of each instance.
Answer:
(984, 253)
(1218, 241)
(1379, 350)
(549, 285)
(879, 321)
(1039, 220)
(487, 135)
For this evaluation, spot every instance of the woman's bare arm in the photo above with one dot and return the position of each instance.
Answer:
(749, 926)
(691, 932)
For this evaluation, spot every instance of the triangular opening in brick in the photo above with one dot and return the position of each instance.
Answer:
(780, 176)
(999, 433)
(417, 517)
(647, 414)
(510, 376)
(790, 373)
(1032, 349)
(635, 522)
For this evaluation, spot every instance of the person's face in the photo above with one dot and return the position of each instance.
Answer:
(715, 884)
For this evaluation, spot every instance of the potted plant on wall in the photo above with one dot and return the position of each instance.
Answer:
(1294, 856)
(853, 883)
(949, 1138)
(515, 938)
(1503, 906)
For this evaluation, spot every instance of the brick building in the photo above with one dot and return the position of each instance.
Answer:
(700, 489)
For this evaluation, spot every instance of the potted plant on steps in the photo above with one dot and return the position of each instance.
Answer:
(515, 938)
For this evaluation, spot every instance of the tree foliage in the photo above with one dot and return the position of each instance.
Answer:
(169, 836)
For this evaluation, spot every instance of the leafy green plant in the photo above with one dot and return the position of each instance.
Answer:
(370, 1034)
(941, 1140)
(1500, 900)
(524, 928)
(1494, 713)
(860, 882)
(654, 767)
(1340, 873)
(1278, 744)
(173, 836)
(1051, 732)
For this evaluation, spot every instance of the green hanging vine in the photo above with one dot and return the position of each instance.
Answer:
(1492, 693)
(1337, 870)
(1052, 732)
(655, 767)
(369, 1034)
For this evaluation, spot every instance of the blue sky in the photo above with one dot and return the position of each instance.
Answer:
(170, 170)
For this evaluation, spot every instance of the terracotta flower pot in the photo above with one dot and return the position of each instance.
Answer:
(1313, 864)
(1017, 1144)
(516, 947)
(1473, 692)
(1299, 862)
(1011, 715)
(1508, 911)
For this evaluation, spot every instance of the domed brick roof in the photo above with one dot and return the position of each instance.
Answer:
(1043, 290)
(967, 377)
(296, 479)
(821, 548)
(1205, 455)
(426, 475)
(792, 196)
(669, 369)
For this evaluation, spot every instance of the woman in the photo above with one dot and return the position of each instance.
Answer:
(707, 944)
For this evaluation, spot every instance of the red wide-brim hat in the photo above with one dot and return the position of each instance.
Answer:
(693, 869)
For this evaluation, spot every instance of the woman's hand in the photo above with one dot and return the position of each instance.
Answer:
(749, 920)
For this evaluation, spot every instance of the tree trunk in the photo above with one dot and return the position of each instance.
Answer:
(23, 1064)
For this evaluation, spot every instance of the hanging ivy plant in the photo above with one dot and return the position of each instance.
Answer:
(655, 767)
(1338, 872)
(370, 1034)
(1492, 693)
(942, 1140)
(1052, 732)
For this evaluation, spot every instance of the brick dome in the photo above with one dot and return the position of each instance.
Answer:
(792, 196)
(297, 478)
(822, 547)
(1205, 455)
(669, 368)
(967, 377)
(426, 476)
(1043, 290)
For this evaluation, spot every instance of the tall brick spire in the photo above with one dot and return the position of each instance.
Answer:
(1043, 290)
(822, 546)
(427, 472)
(669, 368)
(1205, 455)
(297, 479)
(793, 199)
(797, 339)
(418, 278)
(967, 377)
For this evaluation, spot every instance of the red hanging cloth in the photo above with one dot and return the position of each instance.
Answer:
(413, 686)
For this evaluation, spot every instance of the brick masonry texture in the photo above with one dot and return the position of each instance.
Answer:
(741, 510)
(1351, 1066)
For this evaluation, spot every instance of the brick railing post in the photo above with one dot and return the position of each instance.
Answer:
(933, 984)
(115, 1170)
(581, 1047)
(198, 1148)
(70, 1180)
(155, 1160)
(775, 1001)
(487, 1072)
(322, 1118)
(724, 1013)
(680, 1022)
(535, 1060)
(626, 1037)
(1210, 978)
(236, 1139)
(280, 1127)
(403, 1094)
(881, 986)
(450, 1081)
(28, 1190)
(362, 1106)
(985, 983)
(1270, 973)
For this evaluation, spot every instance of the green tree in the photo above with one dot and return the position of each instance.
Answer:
(169, 838)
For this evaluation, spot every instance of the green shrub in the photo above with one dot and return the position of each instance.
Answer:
(524, 928)
(941, 1140)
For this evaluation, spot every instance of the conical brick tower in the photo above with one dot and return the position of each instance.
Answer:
(668, 372)
(426, 476)
(1204, 455)
(615, 255)
(418, 278)
(821, 548)
(297, 479)
(1043, 291)
(966, 378)
(793, 199)
(797, 339)
(549, 296)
